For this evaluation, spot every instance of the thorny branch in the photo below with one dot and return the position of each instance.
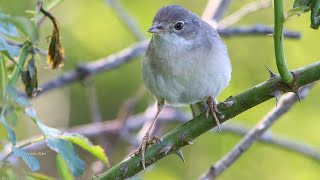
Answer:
(183, 135)
(110, 128)
(254, 134)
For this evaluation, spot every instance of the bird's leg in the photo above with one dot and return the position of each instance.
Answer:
(212, 103)
(143, 146)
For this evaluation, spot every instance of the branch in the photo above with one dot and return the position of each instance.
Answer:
(242, 12)
(183, 135)
(258, 29)
(276, 140)
(214, 11)
(169, 115)
(85, 70)
(278, 43)
(125, 18)
(221, 10)
(253, 135)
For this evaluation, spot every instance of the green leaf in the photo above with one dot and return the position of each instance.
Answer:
(68, 153)
(315, 14)
(11, 115)
(61, 146)
(18, 67)
(38, 176)
(298, 3)
(32, 162)
(296, 11)
(85, 144)
(7, 49)
(7, 28)
(8, 173)
(46, 130)
(11, 134)
(62, 169)
(28, 28)
(4, 78)
(19, 99)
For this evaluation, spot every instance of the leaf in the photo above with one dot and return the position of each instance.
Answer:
(85, 144)
(62, 169)
(32, 162)
(298, 3)
(30, 78)
(315, 14)
(7, 49)
(28, 28)
(11, 115)
(8, 173)
(11, 134)
(4, 78)
(18, 98)
(55, 50)
(46, 130)
(38, 176)
(296, 11)
(68, 153)
(8, 28)
(61, 146)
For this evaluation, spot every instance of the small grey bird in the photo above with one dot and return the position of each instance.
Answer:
(186, 62)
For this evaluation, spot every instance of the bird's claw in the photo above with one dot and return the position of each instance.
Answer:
(143, 147)
(213, 108)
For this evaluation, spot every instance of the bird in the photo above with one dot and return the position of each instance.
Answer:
(186, 62)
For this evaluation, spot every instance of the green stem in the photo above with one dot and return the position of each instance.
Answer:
(18, 68)
(38, 17)
(278, 42)
(4, 76)
(184, 134)
(24, 145)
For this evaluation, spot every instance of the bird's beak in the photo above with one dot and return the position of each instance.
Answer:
(156, 28)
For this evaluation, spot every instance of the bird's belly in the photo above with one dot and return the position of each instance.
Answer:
(179, 86)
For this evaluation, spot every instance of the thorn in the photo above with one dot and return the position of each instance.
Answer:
(277, 95)
(272, 74)
(226, 104)
(189, 142)
(166, 149)
(207, 113)
(221, 116)
(180, 154)
(298, 95)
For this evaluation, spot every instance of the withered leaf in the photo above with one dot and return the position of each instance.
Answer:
(30, 78)
(55, 51)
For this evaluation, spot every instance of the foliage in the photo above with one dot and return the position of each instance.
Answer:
(301, 6)
(27, 32)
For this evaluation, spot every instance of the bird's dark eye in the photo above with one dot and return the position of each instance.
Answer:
(179, 25)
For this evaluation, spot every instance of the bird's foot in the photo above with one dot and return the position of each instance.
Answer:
(143, 147)
(212, 103)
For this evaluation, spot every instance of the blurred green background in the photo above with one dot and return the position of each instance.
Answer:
(91, 30)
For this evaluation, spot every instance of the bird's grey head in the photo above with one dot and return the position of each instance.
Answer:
(174, 19)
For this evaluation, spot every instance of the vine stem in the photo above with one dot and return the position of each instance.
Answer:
(18, 68)
(278, 43)
(4, 77)
(24, 145)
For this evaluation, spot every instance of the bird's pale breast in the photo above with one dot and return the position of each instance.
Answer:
(183, 74)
